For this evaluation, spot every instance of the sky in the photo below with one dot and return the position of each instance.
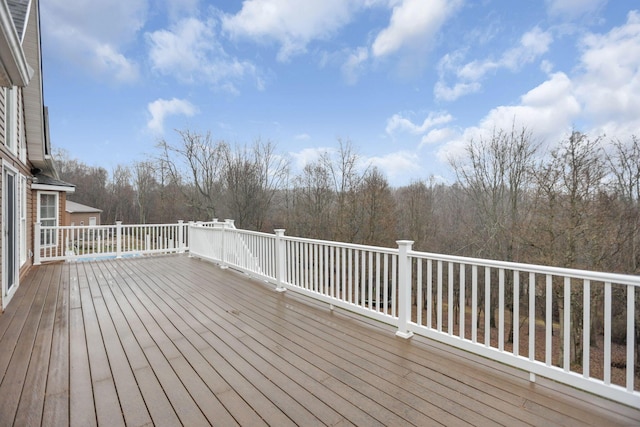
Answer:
(408, 82)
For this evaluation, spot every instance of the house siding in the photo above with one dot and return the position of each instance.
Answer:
(31, 147)
(24, 170)
(81, 217)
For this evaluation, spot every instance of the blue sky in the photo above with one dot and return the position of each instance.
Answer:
(408, 82)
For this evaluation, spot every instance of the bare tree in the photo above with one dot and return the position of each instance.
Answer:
(121, 195)
(251, 178)
(313, 200)
(624, 165)
(196, 162)
(347, 173)
(91, 182)
(377, 210)
(495, 175)
(416, 213)
(569, 185)
(146, 189)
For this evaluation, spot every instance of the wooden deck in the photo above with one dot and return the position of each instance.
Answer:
(176, 341)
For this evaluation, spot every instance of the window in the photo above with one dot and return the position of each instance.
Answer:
(22, 215)
(48, 217)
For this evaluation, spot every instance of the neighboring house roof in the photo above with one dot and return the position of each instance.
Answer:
(44, 182)
(73, 207)
(14, 69)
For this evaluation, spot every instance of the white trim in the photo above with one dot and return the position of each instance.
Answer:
(7, 294)
(54, 241)
(58, 188)
(22, 218)
(22, 136)
(11, 119)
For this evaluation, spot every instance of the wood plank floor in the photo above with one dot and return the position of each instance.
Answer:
(172, 340)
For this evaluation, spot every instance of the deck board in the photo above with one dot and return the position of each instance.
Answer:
(129, 396)
(12, 386)
(81, 405)
(32, 400)
(172, 340)
(56, 402)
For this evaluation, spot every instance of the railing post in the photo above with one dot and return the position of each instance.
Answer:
(404, 289)
(230, 223)
(280, 260)
(223, 261)
(118, 239)
(189, 225)
(36, 243)
(181, 235)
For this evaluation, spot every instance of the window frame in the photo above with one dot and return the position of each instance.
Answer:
(54, 240)
(22, 217)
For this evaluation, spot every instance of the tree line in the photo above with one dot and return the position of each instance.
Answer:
(575, 204)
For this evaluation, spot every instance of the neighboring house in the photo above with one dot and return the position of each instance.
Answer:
(79, 214)
(31, 191)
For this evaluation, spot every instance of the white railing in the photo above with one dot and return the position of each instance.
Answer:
(554, 322)
(359, 278)
(248, 251)
(573, 326)
(105, 241)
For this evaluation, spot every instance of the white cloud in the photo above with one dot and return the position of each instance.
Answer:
(108, 59)
(160, 109)
(94, 35)
(399, 166)
(181, 8)
(609, 84)
(548, 110)
(412, 25)
(352, 68)
(184, 48)
(308, 155)
(475, 70)
(399, 123)
(532, 45)
(573, 8)
(447, 93)
(294, 24)
(291, 23)
(603, 95)
(190, 52)
(436, 136)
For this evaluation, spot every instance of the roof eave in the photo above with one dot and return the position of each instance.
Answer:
(36, 115)
(14, 69)
(48, 187)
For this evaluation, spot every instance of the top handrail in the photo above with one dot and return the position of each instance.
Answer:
(623, 279)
